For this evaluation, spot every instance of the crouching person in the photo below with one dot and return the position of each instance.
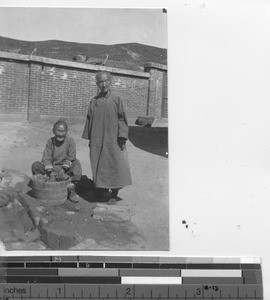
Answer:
(60, 156)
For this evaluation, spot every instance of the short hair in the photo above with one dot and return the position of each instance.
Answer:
(103, 72)
(60, 122)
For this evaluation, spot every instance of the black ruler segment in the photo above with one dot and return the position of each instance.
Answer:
(91, 265)
(32, 272)
(226, 266)
(120, 277)
(91, 280)
(38, 265)
(121, 265)
(145, 266)
(12, 265)
(51, 265)
(251, 266)
(63, 265)
(198, 266)
(32, 279)
(172, 266)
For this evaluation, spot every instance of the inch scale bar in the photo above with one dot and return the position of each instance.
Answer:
(99, 277)
(72, 291)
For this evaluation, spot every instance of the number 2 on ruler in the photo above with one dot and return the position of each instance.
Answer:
(128, 290)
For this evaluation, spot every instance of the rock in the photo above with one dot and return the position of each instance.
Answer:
(144, 121)
(85, 244)
(32, 206)
(17, 212)
(70, 213)
(18, 234)
(4, 199)
(108, 213)
(11, 192)
(32, 236)
(27, 237)
(40, 209)
(45, 221)
(7, 236)
(57, 239)
(36, 220)
(14, 179)
(10, 205)
(25, 220)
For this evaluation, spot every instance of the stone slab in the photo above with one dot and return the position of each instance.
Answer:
(57, 239)
(14, 179)
(111, 213)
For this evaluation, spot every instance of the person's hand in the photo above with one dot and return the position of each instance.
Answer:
(65, 169)
(49, 172)
(121, 142)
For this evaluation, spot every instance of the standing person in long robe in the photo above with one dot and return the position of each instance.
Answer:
(106, 128)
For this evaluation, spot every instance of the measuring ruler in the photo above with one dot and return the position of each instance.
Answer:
(126, 277)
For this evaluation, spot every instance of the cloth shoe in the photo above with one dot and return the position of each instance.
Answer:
(112, 201)
(72, 196)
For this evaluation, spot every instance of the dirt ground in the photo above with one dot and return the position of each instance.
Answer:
(22, 143)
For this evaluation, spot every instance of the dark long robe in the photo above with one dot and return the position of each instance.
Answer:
(105, 122)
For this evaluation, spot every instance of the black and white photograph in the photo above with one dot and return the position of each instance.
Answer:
(136, 133)
(83, 128)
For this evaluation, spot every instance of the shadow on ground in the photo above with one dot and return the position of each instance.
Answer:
(151, 139)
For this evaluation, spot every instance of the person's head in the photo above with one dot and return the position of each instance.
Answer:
(60, 129)
(103, 80)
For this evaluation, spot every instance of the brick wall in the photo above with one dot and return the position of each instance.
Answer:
(36, 88)
(157, 101)
(58, 91)
(14, 87)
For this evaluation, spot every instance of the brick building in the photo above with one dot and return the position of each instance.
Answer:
(37, 88)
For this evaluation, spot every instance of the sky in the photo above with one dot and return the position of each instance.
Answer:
(85, 25)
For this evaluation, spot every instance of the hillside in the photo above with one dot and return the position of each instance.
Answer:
(127, 56)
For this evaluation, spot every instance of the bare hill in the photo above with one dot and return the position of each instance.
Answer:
(127, 56)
